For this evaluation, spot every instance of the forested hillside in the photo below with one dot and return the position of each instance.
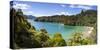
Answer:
(84, 18)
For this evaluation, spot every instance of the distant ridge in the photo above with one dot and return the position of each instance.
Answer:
(30, 16)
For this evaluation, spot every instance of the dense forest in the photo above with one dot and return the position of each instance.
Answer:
(84, 18)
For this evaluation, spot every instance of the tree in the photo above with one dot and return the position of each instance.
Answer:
(42, 37)
(57, 40)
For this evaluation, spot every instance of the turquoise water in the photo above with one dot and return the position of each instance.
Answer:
(53, 28)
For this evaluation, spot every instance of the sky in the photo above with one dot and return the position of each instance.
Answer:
(48, 9)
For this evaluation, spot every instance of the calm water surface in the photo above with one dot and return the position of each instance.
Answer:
(53, 28)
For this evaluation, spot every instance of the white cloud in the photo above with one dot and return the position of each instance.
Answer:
(80, 6)
(68, 13)
(63, 13)
(21, 6)
(28, 12)
(63, 5)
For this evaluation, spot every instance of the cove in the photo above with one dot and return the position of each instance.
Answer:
(52, 28)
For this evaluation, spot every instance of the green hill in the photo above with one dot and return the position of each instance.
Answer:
(84, 18)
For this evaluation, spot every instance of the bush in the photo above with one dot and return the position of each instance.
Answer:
(57, 40)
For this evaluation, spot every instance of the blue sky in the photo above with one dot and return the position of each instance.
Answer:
(48, 9)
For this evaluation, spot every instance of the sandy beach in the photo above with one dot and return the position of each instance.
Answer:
(87, 32)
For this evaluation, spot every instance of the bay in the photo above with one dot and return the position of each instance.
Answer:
(52, 28)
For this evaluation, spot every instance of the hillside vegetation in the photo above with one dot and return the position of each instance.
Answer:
(25, 35)
(84, 18)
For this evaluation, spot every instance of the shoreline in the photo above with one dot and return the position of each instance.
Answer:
(87, 32)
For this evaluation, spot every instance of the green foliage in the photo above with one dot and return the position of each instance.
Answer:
(86, 41)
(57, 40)
(42, 37)
(19, 12)
(79, 39)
